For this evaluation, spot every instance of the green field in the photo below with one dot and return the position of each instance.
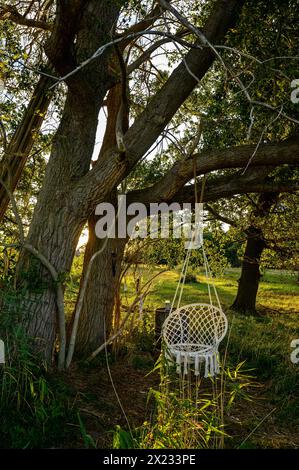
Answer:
(262, 341)
(278, 290)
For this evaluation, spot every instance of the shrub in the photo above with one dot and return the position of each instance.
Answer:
(34, 404)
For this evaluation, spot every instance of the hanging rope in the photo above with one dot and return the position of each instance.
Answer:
(182, 278)
(193, 332)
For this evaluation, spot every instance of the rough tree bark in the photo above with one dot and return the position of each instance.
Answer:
(250, 272)
(21, 143)
(245, 301)
(56, 225)
(97, 311)
(57, 220)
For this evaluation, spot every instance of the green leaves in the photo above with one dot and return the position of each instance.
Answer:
(123, 439)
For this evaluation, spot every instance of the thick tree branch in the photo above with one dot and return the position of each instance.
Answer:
(110, 171)
(217, 191)
(273, 154)
(221, 217)
(21, 143)
(8, 12)
(67, 21)
(216, 188)
(180, 84)
(269, 156)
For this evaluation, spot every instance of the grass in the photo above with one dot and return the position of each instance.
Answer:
(262, 341)
(269, 420)
(278, 289)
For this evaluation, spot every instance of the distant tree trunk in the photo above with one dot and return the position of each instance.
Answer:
(245, 301)
(250, 275)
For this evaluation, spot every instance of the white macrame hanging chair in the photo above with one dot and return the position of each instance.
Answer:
(191, 333)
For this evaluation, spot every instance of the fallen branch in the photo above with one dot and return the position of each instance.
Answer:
(123, 324)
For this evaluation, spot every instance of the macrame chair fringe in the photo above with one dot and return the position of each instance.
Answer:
(211, 364)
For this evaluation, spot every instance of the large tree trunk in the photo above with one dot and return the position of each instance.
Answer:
(95, 322)
(97, 311)
(56, 223)
(250, 275)
(58, 217)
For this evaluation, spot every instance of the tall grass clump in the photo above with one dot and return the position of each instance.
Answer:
(265, 344)
(34, 405)
(189, 412)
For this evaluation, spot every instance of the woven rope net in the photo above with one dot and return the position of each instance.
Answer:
(192, 334)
